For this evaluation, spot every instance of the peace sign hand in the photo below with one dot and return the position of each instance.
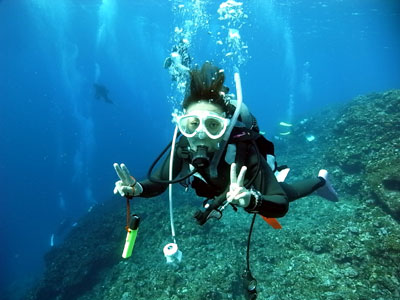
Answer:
(126, 186)
(238, 194)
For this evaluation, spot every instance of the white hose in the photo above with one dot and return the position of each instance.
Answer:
(239, 98)
(171, 164)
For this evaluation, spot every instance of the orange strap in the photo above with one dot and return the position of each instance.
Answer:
(272, 222)
(128, 214)
(128, 208)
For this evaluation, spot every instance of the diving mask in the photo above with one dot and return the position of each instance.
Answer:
(200, 122)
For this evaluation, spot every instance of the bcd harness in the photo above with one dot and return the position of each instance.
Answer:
(237, 150)
(238, 147)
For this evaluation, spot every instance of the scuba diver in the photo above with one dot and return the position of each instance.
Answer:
(219, 138)
(207, 111)
(101, 93)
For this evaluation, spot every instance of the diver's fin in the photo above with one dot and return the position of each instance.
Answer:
(327, 191)
(272, 222)
(281, 175)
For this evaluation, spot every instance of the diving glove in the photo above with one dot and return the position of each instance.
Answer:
(127, 186)
(238, 194)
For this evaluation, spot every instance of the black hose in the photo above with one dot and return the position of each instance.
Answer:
(250, 283)
(156, 180)
(258, 165)
(157, 159)
(248, 277)
(151, 178)
(248, 242)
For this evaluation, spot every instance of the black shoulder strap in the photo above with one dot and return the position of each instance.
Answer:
(241, 154)
(265, 146)
(243, 134)
(182, 148)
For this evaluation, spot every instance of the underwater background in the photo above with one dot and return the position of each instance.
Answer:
(330, 68)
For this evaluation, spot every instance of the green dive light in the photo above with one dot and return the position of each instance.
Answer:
(131, 236)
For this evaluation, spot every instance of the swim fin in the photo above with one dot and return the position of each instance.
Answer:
(327, 191)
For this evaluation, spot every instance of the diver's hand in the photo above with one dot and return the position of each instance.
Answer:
(127, 185)
(238, 194)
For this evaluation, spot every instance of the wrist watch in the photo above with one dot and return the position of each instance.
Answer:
(255, 201)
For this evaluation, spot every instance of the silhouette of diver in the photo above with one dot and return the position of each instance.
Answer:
(101, 93)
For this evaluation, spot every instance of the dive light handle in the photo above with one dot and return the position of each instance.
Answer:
(135, 220)
(131, 236)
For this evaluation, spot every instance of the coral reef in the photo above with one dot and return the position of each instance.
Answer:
(368, 130)
(344, 250)
(75, 266)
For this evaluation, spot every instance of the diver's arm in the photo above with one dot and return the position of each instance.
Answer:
(268, 199)
(152, 189)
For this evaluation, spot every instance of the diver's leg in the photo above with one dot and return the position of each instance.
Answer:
(302, 188)
(321, 185)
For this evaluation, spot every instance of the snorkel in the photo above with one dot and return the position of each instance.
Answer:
(217, 156)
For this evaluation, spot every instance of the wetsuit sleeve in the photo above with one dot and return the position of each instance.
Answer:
(272, 201)
(152, 189)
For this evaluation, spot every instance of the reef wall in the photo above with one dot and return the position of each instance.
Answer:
(344, 250)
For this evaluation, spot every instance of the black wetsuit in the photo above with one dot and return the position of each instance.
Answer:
(275, 196)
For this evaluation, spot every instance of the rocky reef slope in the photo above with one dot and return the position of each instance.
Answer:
(344, 250)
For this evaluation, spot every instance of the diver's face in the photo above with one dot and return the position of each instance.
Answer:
(201, 138)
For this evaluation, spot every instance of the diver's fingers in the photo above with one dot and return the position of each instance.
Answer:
(125, 175)
(119, 171)
(129, 179)
(233, 173)
(123, 189)
(117, 187)
(230, 197)
(239, 190)
(241, 195)
(241, 176)
(127, 190)
(232, 194)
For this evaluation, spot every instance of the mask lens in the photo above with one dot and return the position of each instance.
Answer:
(202, 123)
(214, 125)
(189, 124)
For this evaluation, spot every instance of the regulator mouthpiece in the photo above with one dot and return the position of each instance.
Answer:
(200, 158)
(172, 254)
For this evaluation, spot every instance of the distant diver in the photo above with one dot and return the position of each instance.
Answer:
(62, 230)
(101, 93)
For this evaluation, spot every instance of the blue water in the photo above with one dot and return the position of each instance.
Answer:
(58, 143)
